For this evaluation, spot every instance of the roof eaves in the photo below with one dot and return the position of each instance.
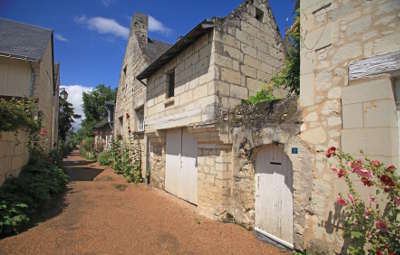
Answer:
(178, 47)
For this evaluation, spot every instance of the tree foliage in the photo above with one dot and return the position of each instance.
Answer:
(65, 118)
(93, 107)
(289, 77)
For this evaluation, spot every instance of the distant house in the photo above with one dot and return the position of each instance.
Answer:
(141, 51)
(27, 70)
(103, 130)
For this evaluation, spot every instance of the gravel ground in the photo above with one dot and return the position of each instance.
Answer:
(102, 214)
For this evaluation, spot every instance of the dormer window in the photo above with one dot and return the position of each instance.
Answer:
(259, 15)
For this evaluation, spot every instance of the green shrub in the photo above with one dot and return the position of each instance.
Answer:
(105, 158)
(86, 148)
(21, 197)
(261, 96)
(16, 114)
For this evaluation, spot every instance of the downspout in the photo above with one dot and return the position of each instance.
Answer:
(32, 80)
(147, 160)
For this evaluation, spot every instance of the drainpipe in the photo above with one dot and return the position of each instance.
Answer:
(147, 160)
(32, 80)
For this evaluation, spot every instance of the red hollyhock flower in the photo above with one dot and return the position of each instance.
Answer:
(331, 152)
(341, 173)
(340, 201)
(375, 163)
(356, 165)
(366, 181)
(391, 169)
(127, 115)
(381, 225)
(387, 180)
(379, 252)
(43, 132)
(397, 200)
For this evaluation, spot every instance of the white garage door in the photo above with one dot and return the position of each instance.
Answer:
(181, 165)
(274, 195)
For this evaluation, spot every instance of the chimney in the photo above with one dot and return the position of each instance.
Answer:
(140, 26)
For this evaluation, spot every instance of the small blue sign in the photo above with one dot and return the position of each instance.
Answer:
(295, 150)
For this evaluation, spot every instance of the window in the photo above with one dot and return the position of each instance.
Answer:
(125, 67)
(140, 119)
(171, 83)
(259, 15)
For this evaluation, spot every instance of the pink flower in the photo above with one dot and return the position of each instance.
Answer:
(375, 163)
(364, 173)
(381, 225)
(340, 201)
(331, 152)
(356, 165)
(43, 132)
(341, 173)
(366, 215)
(372, 199)
(397, 200)
(351, 198)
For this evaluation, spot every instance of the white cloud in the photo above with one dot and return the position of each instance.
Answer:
(104, 26)
(75, 93)
(107, 3)
(60, 37)
(157, 26)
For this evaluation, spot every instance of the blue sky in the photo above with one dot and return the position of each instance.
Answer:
(91, 35)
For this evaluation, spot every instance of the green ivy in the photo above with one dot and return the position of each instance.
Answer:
(16, 114)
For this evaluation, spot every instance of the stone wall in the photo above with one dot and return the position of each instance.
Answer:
(14, 153)
(248, 53)
(15, 72)
(352, 115)
(132, 93)
(253, 128)
(194, 99)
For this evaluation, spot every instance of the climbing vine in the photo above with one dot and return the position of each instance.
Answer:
(18, 114)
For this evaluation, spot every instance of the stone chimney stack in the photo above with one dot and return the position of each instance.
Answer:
(140, 26)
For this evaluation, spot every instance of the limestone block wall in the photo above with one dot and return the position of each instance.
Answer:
(352, 115)
(14, 153)
(194, 99)
(248, 52)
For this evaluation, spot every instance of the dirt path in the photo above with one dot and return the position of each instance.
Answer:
(102, 214)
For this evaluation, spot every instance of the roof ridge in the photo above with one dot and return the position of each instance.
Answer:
(26, 24)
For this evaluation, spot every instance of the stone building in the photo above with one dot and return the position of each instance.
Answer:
(129, 108)
(103, 130)
(27, 70)
(191, 91)
(350, 62)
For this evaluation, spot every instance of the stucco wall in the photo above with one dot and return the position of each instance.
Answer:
(43, 90)
(353, 115)
(15, 77)
(14, 153)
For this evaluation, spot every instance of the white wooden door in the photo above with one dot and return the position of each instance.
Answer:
(188, 182)
(274, 195)
(181, 165)
(173, 160)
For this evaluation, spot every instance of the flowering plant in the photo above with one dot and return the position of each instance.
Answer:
(368, 224)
